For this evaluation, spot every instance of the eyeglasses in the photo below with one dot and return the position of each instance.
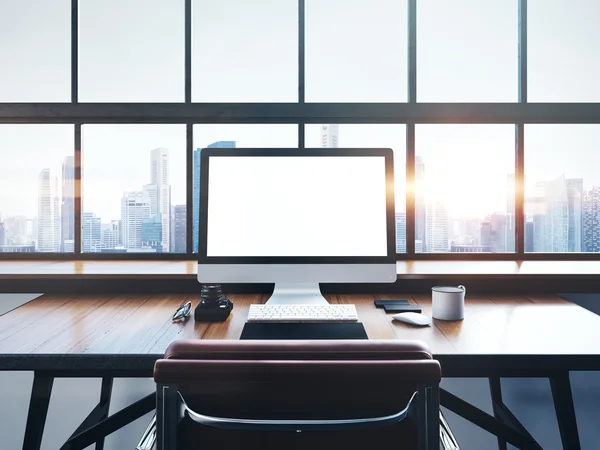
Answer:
(183, 312)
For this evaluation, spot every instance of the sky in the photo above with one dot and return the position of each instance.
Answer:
(132, 51)
(107, 172)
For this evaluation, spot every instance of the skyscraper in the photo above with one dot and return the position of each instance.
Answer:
(510, 212)
(401, 232)
(160, 194)
(152, 191)
(330, 135)
(48, 233)
(591, 220)
(499, 234)
(437, 228)
(92, 233)
(557, 215)
(420, 207)
(550, 222)
(418, 246)
(135, 207)
(180, 228)
(17, 232)
(528, 237)
(575, 204)
(466, 231)
(196, 209)
(111, 234)
(486, 233)
(152, 232)
(67, 209)
(2, 232)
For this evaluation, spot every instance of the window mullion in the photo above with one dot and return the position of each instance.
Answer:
(520, 136)
(410, 129)
(188, 51)
(77, 227)
(74, 50)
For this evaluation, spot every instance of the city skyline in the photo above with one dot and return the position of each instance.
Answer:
(561, 212)
(572, 219)
(142, 212)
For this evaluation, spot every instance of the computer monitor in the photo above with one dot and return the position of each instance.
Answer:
(296, 218)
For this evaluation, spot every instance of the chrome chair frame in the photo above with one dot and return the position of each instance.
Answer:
(423, 407)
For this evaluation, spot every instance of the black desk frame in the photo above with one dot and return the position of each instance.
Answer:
(503, 424)
(97, 425)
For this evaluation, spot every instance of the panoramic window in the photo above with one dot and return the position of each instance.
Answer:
(464, 189)
(36, 189)
(133, 188)
(356, 50)
(562, 188)
(245, 51)
(467, 51)
(35, 51)
(151, 87)
(563, 43)
(131, 51)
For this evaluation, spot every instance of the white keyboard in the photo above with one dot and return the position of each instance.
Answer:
(302, 313)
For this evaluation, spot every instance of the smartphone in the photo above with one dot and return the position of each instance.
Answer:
(381, 303)
(401, 308)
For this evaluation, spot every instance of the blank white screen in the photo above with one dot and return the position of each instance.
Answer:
(296, 206)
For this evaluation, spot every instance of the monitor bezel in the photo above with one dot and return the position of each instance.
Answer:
(207, 153)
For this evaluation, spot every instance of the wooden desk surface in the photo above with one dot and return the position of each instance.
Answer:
(129, 332)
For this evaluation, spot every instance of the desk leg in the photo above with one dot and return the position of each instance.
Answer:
(38, 410)
(510, 432)
(105, 394)
(565, 411)
(496, 393)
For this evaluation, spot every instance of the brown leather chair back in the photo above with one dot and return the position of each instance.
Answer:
(299, 380)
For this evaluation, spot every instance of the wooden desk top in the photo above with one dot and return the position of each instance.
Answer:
(127, 333)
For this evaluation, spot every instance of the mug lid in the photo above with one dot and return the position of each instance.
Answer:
(447, 289)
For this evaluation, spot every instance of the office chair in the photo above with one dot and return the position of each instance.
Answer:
(297, 394)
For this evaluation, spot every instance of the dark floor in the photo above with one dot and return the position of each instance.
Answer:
(531, 402)
(529, 399)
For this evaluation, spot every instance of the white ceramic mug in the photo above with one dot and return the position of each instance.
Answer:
(448, 302)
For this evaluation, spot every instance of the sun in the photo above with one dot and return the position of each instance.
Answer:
(466, 195)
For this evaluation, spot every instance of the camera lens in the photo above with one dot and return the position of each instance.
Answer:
(211, 293)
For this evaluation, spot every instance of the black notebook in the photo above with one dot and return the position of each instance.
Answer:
(309, 331)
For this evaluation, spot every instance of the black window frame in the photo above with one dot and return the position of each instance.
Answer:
(301, 113)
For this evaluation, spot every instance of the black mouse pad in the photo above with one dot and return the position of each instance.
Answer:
(303, 331)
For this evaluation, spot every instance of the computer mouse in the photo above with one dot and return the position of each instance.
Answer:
(413, 318)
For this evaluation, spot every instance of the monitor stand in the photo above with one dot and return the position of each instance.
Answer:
(297, 294)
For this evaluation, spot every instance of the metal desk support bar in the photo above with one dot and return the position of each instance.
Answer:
(496, 394)
(565, 411)
(38, 410)
(502, 413)
(105, 395)
(94, 428)
(111, 424)
(487, 422)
